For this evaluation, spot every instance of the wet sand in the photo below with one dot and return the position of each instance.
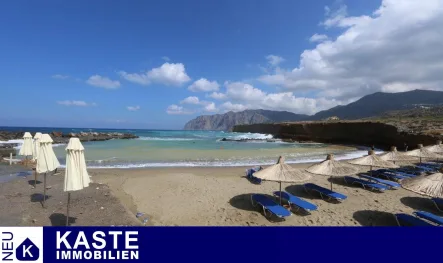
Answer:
(194, 197)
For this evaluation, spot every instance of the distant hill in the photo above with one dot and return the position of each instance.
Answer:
(225, 122)
(373, 105)
(378, 103)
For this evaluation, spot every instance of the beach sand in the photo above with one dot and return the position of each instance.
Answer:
(195, 197)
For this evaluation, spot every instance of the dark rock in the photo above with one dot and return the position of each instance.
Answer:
(57, 134)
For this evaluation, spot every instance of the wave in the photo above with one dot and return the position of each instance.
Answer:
(165, 139)
(252, 136)
(226, 163)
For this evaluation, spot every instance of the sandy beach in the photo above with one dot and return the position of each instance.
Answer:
(193, 197)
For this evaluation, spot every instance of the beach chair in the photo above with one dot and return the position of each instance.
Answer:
(250, 175)
(438, 202)
(408, 220)
(426, 168)
(430, 217)
(269, 206)
(365, 184)
(296, 202)
(390, 184)
(324, 193)
(389, 176)
(410, 171)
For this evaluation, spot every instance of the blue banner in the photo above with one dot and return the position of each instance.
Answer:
(222, 244)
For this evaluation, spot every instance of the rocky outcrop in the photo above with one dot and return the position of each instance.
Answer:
(60, 137)
(225, 122)
(365, 133)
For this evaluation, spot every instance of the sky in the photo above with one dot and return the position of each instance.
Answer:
(158, 64)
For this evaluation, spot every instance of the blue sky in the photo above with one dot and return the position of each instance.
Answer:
(131, 63)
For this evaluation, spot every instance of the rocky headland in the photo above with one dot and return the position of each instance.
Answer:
(365, 133)
(60, 138)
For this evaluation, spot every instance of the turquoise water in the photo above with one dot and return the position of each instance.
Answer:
(157, 148)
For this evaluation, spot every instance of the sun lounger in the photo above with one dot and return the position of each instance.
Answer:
(409, 171)
(438, 202)
(408, 220)
(389, 176)
(365, 184)
(251, 177)
(426, 168)
(295, 201)
(400, 173)
(390, 184)
(430, 217)
(269, 206)
(330, 195)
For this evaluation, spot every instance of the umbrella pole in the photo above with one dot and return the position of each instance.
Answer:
(44, 191)
(67, 209)
(370, 169)
(35, 178)
(330, 180)
(280, 192)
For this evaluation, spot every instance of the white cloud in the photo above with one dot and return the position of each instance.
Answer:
(229, 106)
(59, 76)
(79, 103)
(103, 82)
(133, 108)
(204, 85)
(210, 107)
(396, 48)
(318, 38)
(191, 100)
(177, 110)
(141, 79)
(170, 74)
(165, 58)
(217, 95)
(274, 60)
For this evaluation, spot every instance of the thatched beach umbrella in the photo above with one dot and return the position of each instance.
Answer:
(430, 185)
(437, 148)
(26, 149)
(46, 162)
(372, 160)
(76, 175)
(331, 167)
(281, 172)
(422, 152)
(394, 156)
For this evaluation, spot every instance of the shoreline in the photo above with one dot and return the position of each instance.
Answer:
(195, 196)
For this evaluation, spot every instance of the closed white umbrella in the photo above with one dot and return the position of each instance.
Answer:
(46, 162)
(26, 149)
(36, 145)
(76, 175)
(37, 137)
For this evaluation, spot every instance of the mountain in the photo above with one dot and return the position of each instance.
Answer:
(378, 103)
(372, 105)
(225, 122)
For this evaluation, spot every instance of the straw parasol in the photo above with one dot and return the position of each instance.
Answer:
(422, 152)
(394, 156)
(26, 149)
(281, 172)
(437, 148)
(76, 175)
(372, 160)
(330, 167)
(430, 185)
(46, 162)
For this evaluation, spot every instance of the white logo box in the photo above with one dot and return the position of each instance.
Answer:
(21, 244)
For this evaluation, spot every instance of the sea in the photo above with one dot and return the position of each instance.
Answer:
(179, 148)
